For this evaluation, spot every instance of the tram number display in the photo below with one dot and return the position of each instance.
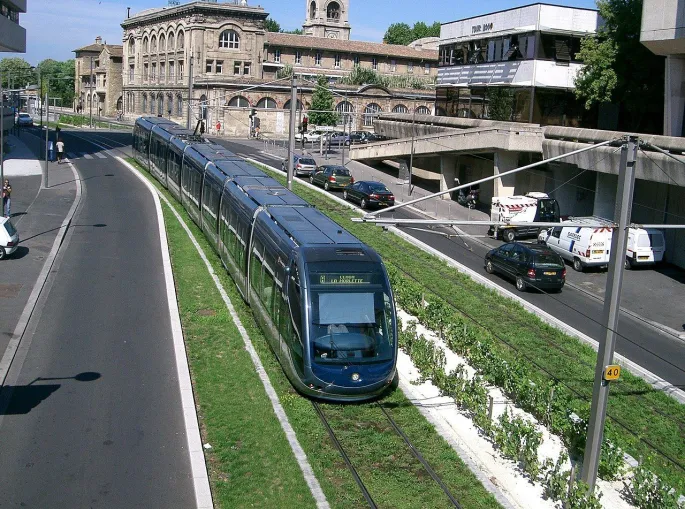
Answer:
(343, 279)
(612, 372)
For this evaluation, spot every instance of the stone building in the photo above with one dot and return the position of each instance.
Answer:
(235, 66)
(98, 81)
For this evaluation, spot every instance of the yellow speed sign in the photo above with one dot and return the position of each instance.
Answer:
(612, 372)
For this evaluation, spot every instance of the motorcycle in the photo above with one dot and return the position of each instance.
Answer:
(469, 199)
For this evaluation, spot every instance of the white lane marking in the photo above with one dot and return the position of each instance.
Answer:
(20, 329)
(71, 155)
(87, 156)
(100, 155)
(300, 455)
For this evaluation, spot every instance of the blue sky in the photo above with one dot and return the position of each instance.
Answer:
(56, 27)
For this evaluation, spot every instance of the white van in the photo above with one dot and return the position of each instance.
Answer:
(582, 246)
(9, 239)
(591, 246)
(645, 247)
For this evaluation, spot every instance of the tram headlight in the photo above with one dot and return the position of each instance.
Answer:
(355, 377)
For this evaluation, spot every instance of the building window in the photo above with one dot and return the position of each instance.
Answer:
(410, 67)
(229, 39)
(277, 55)
(144, 103)
(181, 40)
(180, 68)
(246, 69)
(267, 103)
(179, 105)
(298, 105)
(370, 112)
(356, 60)
(172, 68)
(162, 43)
(131, 73)
(400, 108)
(160, 104)
(337, 61)
(345, 112)
(317, 58)
(131, 47)
(154, 72)
(152, 103)
(374, 63)
(298, 57)
(162, 71)
(170, 42)
(393, 65)
(210, 64)
(236, 68)
(219, 66)
(239, 102)
(153, 44)
(146, 46)
(423, 110)
(146, 71)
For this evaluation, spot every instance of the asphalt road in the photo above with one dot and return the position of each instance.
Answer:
(639, 341)
(93, 417)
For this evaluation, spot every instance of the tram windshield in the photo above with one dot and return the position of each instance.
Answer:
(351, 318)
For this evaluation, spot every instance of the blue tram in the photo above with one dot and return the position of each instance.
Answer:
(321, 296)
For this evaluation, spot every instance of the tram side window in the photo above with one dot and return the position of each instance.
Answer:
(268, 290)
(256, 273)
(174, 166)
(161, 156)
(294, 294)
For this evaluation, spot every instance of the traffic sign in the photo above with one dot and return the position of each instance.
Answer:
(612, 372)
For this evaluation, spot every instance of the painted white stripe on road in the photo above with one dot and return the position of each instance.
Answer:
(300, 455)
(87, 156)
(71, 155)
(100, 155)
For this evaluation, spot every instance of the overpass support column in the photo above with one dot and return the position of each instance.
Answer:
(675, 96)
(605, 195)
(448, 171)
(505, 161)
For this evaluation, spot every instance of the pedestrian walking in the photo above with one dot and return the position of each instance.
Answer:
(6, 198)
(60, 151)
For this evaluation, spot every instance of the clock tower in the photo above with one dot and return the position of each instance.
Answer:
(327, 18)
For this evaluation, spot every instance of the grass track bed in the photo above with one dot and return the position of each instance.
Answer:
(250, 463)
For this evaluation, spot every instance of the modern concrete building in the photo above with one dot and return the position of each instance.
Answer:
(237, 64)
(663, 33)
(98, 81)
(518, 65)
(12, 34)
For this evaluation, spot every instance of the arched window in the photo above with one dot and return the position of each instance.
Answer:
(152, 104)
(170, 42)
(131, 47)
(120, 104)
(181, 40)
(400, 108)
(88, 101)
(267, 103)
(229, 39)
(312, 10)
(238, 102)
(153, 44)
(146, 46)
(162, 43)
(160, 104)
(423, 110)
(370, 112)
(345, 112)
(333, 11)
(298, 106)
(169, 104)
(179, 105)
(203, 106)
(144, 103)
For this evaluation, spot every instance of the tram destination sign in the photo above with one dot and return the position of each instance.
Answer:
(328, 278)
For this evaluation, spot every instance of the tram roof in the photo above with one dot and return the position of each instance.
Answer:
(309, 226)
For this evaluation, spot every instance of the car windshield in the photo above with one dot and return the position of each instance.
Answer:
(378, 187)
(24, 115)
(11, 230)
(341, 172)
(548, 260)
(307, 161)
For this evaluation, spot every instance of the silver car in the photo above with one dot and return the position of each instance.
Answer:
(302, 165)
(24, 119)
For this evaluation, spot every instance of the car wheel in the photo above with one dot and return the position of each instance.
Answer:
(363, 203)
(488, 267)
(345, 195)
(628, 264)
(577, 265)
(509, 235)
(326, 186)
(520, 284)
(3, 254)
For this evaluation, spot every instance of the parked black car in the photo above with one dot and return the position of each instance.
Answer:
(369, 194)
(357, 138)
(530, 265)
(374, 137)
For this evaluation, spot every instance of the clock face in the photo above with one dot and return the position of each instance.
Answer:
(332, 35)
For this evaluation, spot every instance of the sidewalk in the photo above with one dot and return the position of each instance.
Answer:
(38, 215)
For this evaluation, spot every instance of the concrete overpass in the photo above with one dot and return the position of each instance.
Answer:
(585, 184)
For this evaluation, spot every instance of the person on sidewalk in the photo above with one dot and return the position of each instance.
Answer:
(60, 151)
(6, 198)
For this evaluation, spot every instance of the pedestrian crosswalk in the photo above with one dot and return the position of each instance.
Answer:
(106, 154)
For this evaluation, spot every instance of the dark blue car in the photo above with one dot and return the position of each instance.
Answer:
(529, 265)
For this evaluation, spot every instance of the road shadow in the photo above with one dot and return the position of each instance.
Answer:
(21, 399)
(97, 225)
(19, 253)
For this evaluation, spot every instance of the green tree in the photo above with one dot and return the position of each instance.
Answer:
(322, 104)
(297, 31)
(501, 103)
(401, 33)
(16, 72)
(271, 25)
(619, 69)
(61, 77)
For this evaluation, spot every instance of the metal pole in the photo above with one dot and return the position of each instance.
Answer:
(612, 301)
(40, 94)
(190, 90)
(90, 93)
(411, 152)
(291, 136)
(47, 133)
(2, 138)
